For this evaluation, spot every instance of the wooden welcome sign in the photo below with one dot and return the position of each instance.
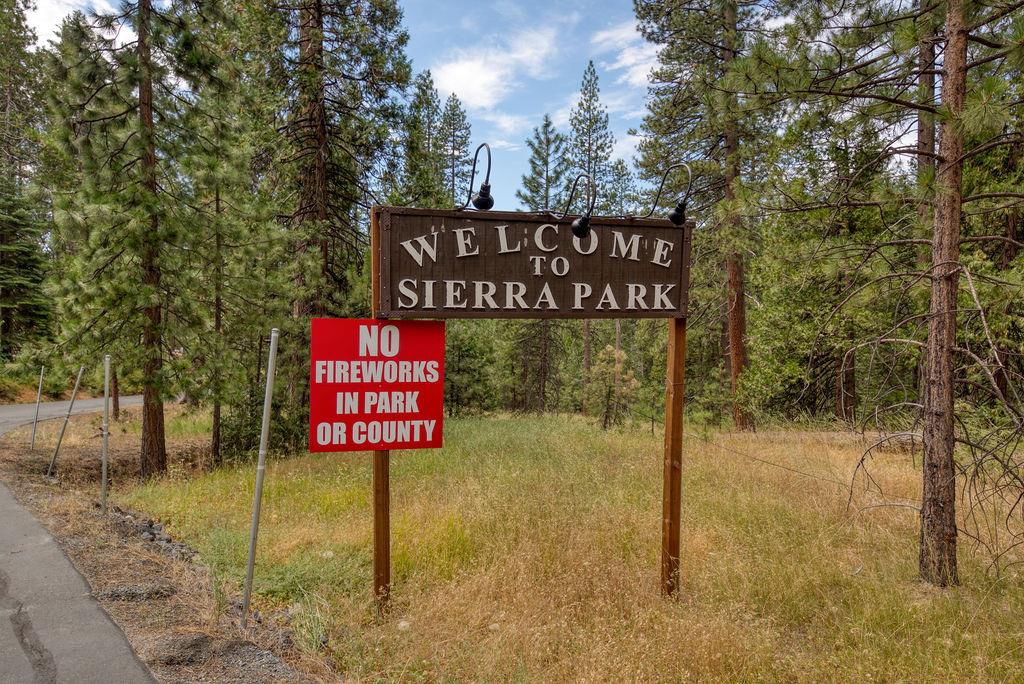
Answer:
(428, 263)
(466, 264)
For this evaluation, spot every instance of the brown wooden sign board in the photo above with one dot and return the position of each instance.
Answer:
(427, 263)
(467, 264)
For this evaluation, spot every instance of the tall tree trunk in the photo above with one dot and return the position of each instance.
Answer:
(938, 507)
(737, 312)
(846, 385)
(153, 457)
(311, 135)
(925, 127)
(218, 330)
(724, 337)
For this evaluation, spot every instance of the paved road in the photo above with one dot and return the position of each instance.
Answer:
(13, 415)
(51, 628)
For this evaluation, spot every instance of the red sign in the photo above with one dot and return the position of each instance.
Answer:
(375, 385)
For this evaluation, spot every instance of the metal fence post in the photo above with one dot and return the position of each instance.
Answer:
(39, 396)
(60, 437)
(260, 469)
(106, 431)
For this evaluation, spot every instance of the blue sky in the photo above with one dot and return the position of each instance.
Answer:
(510, 62)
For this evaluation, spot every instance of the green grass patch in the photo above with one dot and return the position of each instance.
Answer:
(528, 549)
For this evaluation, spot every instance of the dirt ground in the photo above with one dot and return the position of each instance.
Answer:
(156, 589)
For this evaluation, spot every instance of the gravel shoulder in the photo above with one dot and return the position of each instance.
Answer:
(179, 620)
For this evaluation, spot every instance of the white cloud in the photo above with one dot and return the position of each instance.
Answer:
(47, 16)
(485, 75)
(634, 57)
(560, 117)
(779, 22)
(500, 144)
(625, 147)
(509, 10)
(507, 124)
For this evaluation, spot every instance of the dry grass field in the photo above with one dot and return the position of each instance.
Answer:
(528, 549)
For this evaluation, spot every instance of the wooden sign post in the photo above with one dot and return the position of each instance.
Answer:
(429, 263)
(381, 460)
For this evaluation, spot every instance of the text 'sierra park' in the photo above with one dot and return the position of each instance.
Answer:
(451, 264)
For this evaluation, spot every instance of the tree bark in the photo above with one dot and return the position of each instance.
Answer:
(737, 306)
(310, 132)
(938, 563)
(925, 127)
(846, 386)
(153, 457)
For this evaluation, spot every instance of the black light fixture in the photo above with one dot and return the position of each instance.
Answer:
(581, 226)
(678, 215)
(482, 200)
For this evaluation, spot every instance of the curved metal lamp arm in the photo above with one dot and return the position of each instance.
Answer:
(572, 195)
(472, 176)
(664, 176)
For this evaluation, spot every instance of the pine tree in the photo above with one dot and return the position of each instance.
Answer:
(453, 133)
(342, 105)
(119, 116)
(25, 313)
(237, 254)
(622, 198)
(591, 141)
(422, 182)
(867, 69)
(591, 144)
(25, 310)
(545, 185)
(20, 110)
(693, 116)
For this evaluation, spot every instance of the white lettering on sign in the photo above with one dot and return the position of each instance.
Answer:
(662, 250)
(484, 293)
(580, 292)
(375, 432)
(578, 244)
(637, 293)
(378, 340)
(608, 299)
(375, 371)
(424, 248)
(390, 402)
(503, 247)
(453, 291)
(518, 296)
(538, 238)
(464, 242)
(376, 384)
(619, 245)
(661, 300)
(538, 267)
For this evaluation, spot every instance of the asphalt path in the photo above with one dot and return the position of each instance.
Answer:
(13, 415)
(52, 630)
